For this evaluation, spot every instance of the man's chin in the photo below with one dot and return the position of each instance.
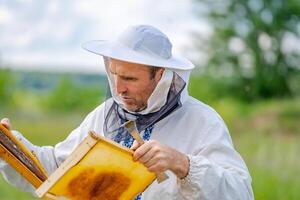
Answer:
(133, 108)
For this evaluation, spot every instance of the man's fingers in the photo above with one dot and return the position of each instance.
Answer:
(149, 159)
(135, 145)
(140, 151)
(5, 122)
(147, 156)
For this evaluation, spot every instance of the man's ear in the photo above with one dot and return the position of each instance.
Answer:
(159, 74)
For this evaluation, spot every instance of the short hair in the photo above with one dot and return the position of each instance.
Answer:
(153, 71)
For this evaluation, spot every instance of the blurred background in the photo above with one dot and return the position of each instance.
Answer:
(247, 54)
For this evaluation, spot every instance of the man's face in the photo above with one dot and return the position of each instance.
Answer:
(134, 83)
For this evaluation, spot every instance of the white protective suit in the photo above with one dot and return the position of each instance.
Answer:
(217, 171)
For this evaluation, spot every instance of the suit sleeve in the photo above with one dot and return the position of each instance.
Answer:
(216, 170)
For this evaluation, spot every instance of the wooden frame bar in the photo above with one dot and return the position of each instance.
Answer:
(72, 160)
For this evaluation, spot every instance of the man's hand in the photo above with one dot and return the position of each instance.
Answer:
(5, 122)
(159, 158)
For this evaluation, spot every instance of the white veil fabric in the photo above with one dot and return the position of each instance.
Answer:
(157, 99)
(165, 98)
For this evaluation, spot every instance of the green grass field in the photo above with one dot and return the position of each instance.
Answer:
(266, 134)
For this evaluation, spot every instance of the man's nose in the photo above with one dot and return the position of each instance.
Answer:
(120, 86)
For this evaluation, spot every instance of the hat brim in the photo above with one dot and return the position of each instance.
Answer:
(124, 53)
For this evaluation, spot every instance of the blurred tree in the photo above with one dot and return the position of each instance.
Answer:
(68, 96)
(255, 46)
(7, 85)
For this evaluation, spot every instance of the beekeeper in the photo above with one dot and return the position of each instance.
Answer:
(184, 137)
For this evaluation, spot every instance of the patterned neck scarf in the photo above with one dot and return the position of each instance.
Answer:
(116, 116)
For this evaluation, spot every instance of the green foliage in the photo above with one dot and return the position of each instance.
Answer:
(249, 48)
(10, 193)
(69, 96)
(7, 85)
(209, 88)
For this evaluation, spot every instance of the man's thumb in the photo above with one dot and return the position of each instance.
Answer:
(5, 122)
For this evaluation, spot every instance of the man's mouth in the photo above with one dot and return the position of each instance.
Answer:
(127, 99)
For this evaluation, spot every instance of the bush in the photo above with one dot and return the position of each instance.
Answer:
(68, 96)
(7, 85)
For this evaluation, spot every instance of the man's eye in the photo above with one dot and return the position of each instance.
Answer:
(130, 79)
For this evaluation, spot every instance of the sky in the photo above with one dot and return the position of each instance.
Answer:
(47, 34)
